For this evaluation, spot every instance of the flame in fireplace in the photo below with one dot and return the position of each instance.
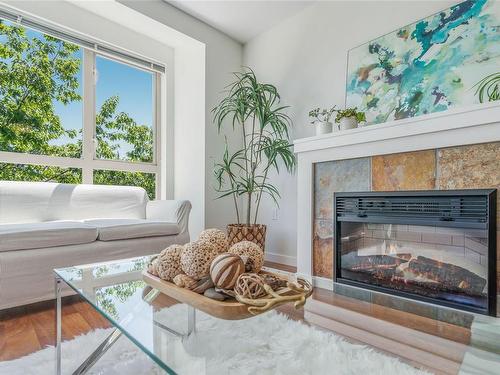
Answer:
(393, 249)
(464, 285)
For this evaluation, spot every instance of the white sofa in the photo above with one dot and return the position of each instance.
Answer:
(48, 225)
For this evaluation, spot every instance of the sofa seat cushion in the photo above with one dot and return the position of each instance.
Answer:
(122, 229)
(46, 234)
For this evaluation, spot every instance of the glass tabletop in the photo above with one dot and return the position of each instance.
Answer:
(116, 290)
(157, 324)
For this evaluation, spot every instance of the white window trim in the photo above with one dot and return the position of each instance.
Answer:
(88, 163)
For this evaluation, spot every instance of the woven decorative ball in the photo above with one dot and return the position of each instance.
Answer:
(217, 238)
(184, 281)
(226, 269)
(250, 285)
(253, 253)
(168, 263)
(197, 258)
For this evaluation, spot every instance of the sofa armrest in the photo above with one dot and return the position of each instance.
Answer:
(174, 211)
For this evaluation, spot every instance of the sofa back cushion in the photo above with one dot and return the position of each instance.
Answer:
(24, 202)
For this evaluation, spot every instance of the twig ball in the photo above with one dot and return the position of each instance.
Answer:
(217, 238)
(253, 253)
(168, 263)
(225, 270)
(197, 257)
(250, 285)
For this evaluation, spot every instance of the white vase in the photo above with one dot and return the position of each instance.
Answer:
(348, 123)
(323, 127)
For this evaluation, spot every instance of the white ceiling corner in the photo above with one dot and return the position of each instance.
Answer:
(242, 20)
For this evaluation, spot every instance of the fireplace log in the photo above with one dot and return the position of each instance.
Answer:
(448, 275)
(375, 263)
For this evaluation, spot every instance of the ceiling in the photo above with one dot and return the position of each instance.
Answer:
(241, 19)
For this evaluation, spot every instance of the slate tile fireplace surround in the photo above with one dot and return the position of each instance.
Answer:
(432, 246)
(457, 149)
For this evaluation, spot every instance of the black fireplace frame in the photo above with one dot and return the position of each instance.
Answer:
(489, 225)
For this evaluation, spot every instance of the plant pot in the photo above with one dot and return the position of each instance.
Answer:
(240, 232)
(348, 123)
(323, 127)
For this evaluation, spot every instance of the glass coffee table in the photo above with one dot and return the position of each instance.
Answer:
(115, 289)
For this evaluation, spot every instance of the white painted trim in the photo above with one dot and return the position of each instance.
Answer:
(89, 112)
(465, 126)
(63, 162)
(280, 258)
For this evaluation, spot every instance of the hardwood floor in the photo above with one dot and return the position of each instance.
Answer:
(28, 329)
(279, 266)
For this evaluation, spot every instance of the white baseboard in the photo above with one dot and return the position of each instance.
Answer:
(280, 258)
(322, 282)
(317, 281)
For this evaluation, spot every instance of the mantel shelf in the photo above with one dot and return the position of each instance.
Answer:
(441, 122)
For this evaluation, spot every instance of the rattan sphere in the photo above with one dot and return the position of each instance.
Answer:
(253, 253)
(168, 263)
(250, 285)
(197, 257)
(225, 270)
(217, 238)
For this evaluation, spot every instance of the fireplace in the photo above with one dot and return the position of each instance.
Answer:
(434, 246)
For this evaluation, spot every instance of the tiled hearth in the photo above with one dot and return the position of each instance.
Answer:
(462, 167)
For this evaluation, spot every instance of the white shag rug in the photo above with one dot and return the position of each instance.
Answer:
(267, 344)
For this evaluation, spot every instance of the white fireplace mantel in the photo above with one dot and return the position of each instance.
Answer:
(456, 127)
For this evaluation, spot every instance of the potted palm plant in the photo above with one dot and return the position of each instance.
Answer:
(254, 110)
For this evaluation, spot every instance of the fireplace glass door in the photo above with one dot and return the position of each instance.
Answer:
(433, 262)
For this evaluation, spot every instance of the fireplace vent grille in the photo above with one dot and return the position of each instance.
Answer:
(443, 208)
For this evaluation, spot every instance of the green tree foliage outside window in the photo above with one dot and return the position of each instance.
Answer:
(37, 71)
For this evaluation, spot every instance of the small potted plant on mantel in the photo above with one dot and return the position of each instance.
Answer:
(321, 120)
(349, 118)
(253, 109)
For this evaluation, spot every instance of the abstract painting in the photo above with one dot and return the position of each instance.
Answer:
(429, 66)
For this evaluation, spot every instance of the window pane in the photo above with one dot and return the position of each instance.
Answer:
(144, 180)
(40, 93)
(24, 172)
(124, 112)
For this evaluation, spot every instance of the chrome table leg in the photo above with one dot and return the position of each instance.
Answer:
(58, 323)
(191, 320)
(108, 342)
(99, 352)
(191, 326)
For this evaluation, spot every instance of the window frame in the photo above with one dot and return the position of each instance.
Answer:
(88, 162)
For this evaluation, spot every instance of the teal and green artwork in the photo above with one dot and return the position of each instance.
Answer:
(429, 66)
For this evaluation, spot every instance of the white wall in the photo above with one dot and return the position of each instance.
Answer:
(223, 56)
(305, 57)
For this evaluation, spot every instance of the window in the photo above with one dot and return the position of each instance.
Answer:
(76, 112)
